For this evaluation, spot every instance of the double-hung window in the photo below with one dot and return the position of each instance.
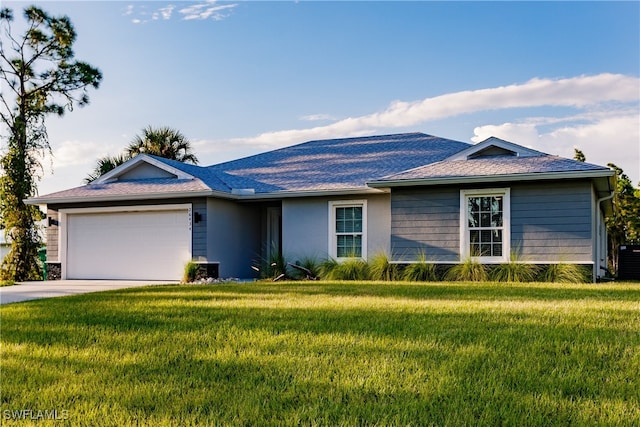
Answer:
(348, 229)
(485, 224)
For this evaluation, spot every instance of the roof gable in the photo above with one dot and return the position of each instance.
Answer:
(143, 166)
(144, 170)
(494, 147)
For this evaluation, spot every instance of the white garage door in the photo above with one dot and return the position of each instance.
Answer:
(146, 245)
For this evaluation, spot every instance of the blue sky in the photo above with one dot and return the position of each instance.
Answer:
(238, 78)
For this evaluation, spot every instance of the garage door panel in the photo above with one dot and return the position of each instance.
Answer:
(149, 245)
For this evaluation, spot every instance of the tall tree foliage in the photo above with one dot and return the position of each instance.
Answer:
(623, 227)
(162, 142)
(39, 77)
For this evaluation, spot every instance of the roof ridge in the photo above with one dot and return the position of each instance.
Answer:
(352, 138)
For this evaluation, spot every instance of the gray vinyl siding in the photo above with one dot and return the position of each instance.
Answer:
(425, 222)
(199, 230)
(552, 223)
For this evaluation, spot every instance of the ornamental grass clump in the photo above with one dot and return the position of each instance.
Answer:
(565, 273)
(190, 271)
(515, 271)
(468, 271)
(349, 269)
(381, 269)
(420, 271)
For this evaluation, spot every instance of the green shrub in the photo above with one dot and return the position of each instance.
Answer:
(381, 269)
(565, 273)
(420, 271)
(468, 271)
(190, 271)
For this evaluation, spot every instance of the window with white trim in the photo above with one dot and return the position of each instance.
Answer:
(348, 225)
(485, 224)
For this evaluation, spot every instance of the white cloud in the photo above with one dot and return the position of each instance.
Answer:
(602, 120)
(206, 10)
(198, 11)
(605, 138)
(76, 153)
(317, 117)
(163, 13)
(577, 92)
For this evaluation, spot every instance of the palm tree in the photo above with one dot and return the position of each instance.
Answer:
(163, 142)
(104, 165)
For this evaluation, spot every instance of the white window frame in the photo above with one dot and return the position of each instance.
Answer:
(506, 224)
(333, 236)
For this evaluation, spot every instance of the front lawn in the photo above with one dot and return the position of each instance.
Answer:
(318, 353)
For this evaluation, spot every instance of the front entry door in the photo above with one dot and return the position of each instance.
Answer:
(274, 232)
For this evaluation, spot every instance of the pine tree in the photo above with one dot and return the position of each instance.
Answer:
(39, 77)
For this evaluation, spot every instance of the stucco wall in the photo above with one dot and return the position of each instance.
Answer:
(305, 225)
(233, 237)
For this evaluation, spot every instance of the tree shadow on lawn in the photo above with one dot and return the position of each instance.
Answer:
(410, 290)
(236, 354)
(457, 367)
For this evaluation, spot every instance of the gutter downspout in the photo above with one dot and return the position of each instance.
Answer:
(598, 238)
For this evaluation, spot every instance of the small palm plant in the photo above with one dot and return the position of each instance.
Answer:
(306, 268)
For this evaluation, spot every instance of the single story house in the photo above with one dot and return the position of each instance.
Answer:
(407, 195)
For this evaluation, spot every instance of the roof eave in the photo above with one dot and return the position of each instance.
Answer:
(492, 178)
(205, 193)
(113, 174)
(126, 197)
(313, 193)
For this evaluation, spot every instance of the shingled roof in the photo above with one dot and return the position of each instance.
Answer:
(335, 163)
(494, 166)
(359, 164)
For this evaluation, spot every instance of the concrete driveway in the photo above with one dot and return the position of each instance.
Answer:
(57, 288)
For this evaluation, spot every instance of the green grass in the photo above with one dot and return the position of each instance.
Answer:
(322, 353)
